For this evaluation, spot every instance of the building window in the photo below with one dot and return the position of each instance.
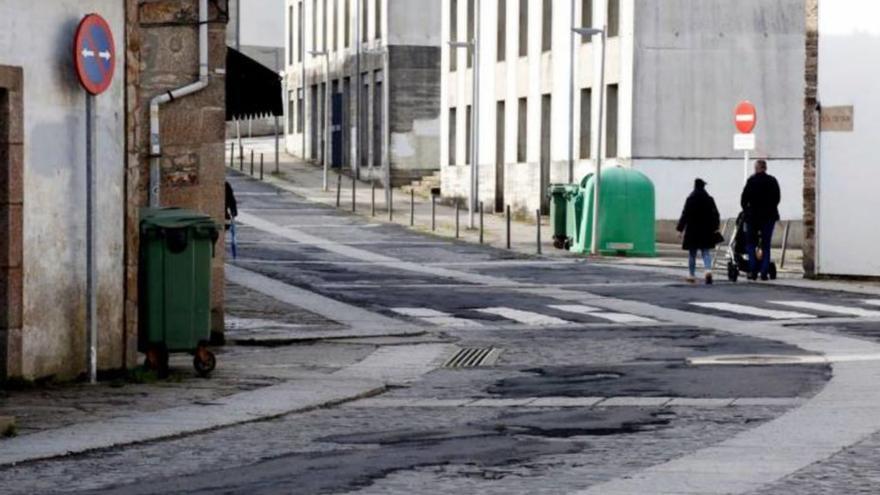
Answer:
(301, 38)
(335, 21)
(365, 22)
(613, 18)
(502, 30)
(346, 26)
(523, 28)
(547, 26)
(291, 112)
(453, 34)
(290, 33)
(300, 111)
(470, 31)
(586, 132)
(586, 18)
(324, 26)
(611, 122)
(378, 12)
(467, 138)
(378, 117)
(522, 130)
(314, 26)
(453, 125)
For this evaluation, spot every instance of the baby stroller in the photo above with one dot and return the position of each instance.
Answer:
(737, 256)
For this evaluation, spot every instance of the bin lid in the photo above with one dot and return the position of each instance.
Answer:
(175, 218)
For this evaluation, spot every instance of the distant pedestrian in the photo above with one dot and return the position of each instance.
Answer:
(699, 225)
(760, 204)
(231, 203)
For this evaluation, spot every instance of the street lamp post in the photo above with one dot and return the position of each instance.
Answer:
(326, 55)
(473, 46)
(597, 181)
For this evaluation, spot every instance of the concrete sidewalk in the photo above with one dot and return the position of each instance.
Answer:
(415, 211)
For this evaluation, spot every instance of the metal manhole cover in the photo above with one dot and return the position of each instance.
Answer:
(756, 360)
(472, 357)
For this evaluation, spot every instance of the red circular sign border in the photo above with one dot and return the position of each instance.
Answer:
(743, 108)
(87, 22)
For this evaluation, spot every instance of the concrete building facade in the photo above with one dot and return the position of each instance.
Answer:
(675, 71)
(390, 50)
(43, 183)
(840, 172)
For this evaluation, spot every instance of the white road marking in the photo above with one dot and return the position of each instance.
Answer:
(753, 311)
(437, 318)
(830, 308)
(526, 317)
(872, 302)
(623, 318)
(598, 313)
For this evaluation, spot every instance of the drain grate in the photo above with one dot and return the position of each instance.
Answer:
(472, 357)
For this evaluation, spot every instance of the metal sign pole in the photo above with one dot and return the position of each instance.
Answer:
(91, 273)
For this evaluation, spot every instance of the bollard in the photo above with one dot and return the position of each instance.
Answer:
(481, 222)
(390, 204)
(261, 166)
(240, 158)
(353, 193)
(784, 244)
(538, 225)
(412, 207)
(508, 226)
(231, 155)
(252, 163)
(457, 211)
(433, 213)
(338, 189)
(373, 199)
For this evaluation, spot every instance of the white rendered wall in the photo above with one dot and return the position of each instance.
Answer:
(848, 232)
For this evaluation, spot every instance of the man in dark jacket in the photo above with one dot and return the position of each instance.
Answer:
(699, 223)
(760, 203)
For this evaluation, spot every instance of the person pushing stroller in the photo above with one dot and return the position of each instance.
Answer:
(760, 203)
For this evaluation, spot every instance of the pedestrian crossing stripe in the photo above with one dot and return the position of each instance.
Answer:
(754, 311)
(525, 317)
(872, 302)
(830, 308)
(437, 318)
(598, 313)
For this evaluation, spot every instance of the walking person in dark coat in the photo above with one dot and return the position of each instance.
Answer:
(699, 223)
(760, 203)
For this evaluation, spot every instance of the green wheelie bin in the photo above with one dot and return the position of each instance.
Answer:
(557, 193)
(176, 247)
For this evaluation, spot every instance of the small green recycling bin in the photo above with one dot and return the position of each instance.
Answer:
(558, 209)
(175, 286)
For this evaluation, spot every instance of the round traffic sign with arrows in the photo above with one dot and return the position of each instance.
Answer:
(94, 54)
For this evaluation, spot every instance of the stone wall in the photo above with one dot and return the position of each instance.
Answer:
(810, 133)
(163, 55)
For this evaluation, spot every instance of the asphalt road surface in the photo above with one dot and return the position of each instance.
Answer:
(588, 373)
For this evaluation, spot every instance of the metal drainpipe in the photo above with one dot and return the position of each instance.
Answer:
(156, 102)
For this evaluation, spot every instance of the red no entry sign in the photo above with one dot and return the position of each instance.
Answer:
(94, 54)
(745, 117)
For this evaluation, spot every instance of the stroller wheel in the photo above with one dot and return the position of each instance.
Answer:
(732, 271)
(772, 271)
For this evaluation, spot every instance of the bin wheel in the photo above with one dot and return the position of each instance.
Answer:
(157, 360)
(732, 272)
(558, 243)
(772, 272)
(204, 361)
